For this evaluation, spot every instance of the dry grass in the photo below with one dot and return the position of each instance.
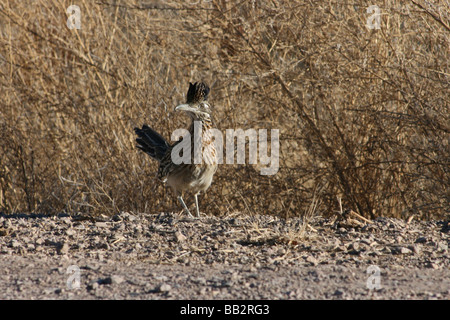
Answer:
(363, 114)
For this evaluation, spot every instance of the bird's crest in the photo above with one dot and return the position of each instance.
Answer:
(197, 92)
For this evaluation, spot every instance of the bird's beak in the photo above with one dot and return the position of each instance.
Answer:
(184, 107)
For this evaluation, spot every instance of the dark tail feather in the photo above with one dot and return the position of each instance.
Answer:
(151, 142)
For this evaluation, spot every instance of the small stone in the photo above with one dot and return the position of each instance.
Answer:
(66, 220)
(127, 216)
(161, 278)
(52, 290)
(101, 224)
(404, 250)
(180, 237)
(442, 246)
(60, 270)
(234, 222)
(421, 240)
(415, 248)
(199, 280)
(400, 250)
(312, 260)
(116, 279)
(62, 248)
(15, 243)
(80, 227)
(374, 253)
(107, 280)
(26, 239)
(164, 288)
(93, 285)
(339, 292)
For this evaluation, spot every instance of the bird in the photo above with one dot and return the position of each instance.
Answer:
(190, 177)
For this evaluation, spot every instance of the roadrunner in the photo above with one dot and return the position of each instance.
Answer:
(191, 177)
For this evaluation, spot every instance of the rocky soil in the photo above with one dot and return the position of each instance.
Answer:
(170, 256)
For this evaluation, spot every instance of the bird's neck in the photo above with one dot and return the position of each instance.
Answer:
(205, 122)
(201, 129)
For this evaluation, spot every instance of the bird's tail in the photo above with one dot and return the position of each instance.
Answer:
(151, 142)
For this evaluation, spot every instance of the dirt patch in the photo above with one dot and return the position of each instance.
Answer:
(169, 256)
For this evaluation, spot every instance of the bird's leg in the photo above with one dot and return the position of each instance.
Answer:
(184, 206)
(196, 205)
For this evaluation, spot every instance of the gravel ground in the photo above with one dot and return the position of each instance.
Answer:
(170, 256)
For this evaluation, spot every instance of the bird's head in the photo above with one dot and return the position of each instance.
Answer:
(196, 105)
